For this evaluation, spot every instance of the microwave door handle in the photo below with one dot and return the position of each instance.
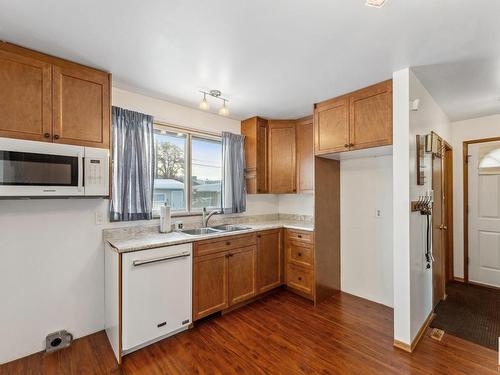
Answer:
(80, 172)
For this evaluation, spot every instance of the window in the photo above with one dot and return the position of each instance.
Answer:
(188, 172)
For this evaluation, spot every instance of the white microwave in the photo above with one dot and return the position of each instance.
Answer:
(42, 169)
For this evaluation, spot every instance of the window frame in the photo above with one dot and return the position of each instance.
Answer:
(190, 133)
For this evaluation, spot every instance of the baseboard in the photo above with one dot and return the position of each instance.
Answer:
(459, 279)
(410, 348)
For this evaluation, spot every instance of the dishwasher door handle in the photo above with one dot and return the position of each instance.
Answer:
(184, 254)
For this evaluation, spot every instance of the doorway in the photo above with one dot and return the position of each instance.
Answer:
(442, 219)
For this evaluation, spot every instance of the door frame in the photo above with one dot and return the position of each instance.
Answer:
(465, 167)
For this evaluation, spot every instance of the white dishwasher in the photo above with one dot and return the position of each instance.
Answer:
(156, 294)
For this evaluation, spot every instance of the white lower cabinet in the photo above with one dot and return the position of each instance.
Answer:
(156, 294)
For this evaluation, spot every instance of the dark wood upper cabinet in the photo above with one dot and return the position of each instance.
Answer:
(25, 97)
(45, 98)
(256, 147)
(81, 106)
(269, 260)
(361, 119)
(281, 153)
(304, 131)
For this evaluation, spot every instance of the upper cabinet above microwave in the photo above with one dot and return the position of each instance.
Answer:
(43, 98)
(361, 119)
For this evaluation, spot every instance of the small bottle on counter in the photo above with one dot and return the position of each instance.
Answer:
(165, 219)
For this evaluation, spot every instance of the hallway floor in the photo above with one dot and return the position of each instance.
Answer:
(471, 312)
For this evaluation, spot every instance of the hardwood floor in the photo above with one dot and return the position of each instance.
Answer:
(280, 334)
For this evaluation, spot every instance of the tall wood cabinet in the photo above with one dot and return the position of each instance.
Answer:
(281, 154)
(358, 120)
(304, 131)
(44, 98)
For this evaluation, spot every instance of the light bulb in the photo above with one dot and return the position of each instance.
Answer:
(224, 111)
(375, 3)
(204, 104)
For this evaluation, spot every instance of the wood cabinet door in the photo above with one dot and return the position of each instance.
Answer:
(81, 102)
(210, 292)
(371, 116)
(269, 260)
(25, 98)
(331, 126)
(305, 155)
(262, 156)
(242, 274)
(281, 156)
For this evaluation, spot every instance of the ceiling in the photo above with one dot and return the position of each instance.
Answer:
(271, 58)
(464, 89)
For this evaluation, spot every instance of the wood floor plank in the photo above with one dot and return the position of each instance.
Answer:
(279, 334)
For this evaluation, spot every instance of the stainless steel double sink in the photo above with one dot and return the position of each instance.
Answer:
(216, 229)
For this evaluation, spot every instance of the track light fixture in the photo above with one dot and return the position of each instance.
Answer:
(223, 111)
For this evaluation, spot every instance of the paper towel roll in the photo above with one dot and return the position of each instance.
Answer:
(165, 219)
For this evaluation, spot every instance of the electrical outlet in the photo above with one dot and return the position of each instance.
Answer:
(99, 218)
(378, 213)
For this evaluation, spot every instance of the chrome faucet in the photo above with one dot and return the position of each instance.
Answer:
(207, 216)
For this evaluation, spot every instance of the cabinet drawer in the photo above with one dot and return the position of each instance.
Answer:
(223, 244)
(299, 235)
(300, 254)
(300, 278)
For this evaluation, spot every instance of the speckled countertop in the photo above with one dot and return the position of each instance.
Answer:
(149, 239)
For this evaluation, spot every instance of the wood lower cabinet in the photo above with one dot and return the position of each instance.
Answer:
(44, 98)
(242, 274)
(270, 260)
(210, 284)
(359, 120)
(25, 97)
(281, 154)
(300, 262)
(231, 270)
(304, 135)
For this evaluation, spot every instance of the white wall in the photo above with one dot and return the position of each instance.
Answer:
(412, 281)
(479, 128)
(52, 269)
(366, 240)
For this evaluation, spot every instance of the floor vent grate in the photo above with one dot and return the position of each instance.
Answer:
(437, 334)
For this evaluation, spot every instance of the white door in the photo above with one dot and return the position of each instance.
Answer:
(484, 213)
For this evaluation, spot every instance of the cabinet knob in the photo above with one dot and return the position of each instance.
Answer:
(300, 278)
(56, 136)
(300, 254)
(351, 144)
(346, 145)
(300, 236)
(228, 243)
(46, 135)
(259, 236)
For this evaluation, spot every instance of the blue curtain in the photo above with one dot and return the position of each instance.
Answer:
(234, 197)
(133, 166)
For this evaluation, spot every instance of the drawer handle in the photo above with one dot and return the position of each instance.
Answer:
(299, 235)
(138, 263)
(162, 324)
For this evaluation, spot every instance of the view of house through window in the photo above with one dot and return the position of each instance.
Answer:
(188, 172)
